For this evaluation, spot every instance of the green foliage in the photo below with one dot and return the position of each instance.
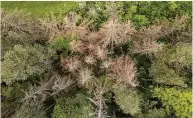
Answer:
(62, 44)
(11, 97)
(58, 112)
(41, 9)
(96, 48)
(175, 100)
(140, 13)
(77, 106)
(140, 20)
(181, 53)
(24, 61)
(128, 100)
(15, 91)
(32, 110)
(19, 27)
(169, 62)
(165, 75)
(150, 12)
(7, 45)
(94, 11)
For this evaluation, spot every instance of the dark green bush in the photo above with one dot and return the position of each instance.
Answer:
(76, 106)
(140, 13)
(25, 61)
(32, 110)
(169, 62)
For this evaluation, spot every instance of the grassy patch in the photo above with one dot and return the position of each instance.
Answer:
(41, 9)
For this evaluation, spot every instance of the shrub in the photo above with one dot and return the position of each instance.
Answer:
(181, 53)
(61, 43)
(18, 27)
(169, 62)
(33, 110)
(76, 106)
(123, 69)
(178, 101)
(49, 87)
(11, 97)
(127, 99)
(85, 76)
(150, 12)
(24, 61)
(116, 33)
(140, 13)
(58, 8)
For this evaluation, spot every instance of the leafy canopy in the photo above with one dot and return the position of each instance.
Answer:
(25, 61)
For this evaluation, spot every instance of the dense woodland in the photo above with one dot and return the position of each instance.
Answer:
(96, 59)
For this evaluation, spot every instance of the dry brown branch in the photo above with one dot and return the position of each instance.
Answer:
(22, 24)
(123, 69)
(99, 102)
(61, 84)
(100, 52)
(90, 60)
(146, 47)
(85, 76)
(39, 93)
(81, 30)
(79, 46)
(115, 33)
(53, 86)
(66, 28)
(106, 63)
(94, 37)
(101, 87)
(53, 28)
(144, 41)
(180, 23)
(72, 64)
(182, 30)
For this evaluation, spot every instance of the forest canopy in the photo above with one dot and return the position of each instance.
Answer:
(129, 59)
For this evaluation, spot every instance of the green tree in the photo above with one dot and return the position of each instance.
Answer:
(175, 100)
(128, 100)
(77, 106)
(24, 61)
(31, 110)
(169, 62)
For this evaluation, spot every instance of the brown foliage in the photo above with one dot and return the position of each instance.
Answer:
(21, 25)
(100, 88)
(72, 64)
(144, 41)
(100, 52)
(115, 33)
(90, 60)
(67, 27)
(85, 76)
(123, 69)
(50, 87)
